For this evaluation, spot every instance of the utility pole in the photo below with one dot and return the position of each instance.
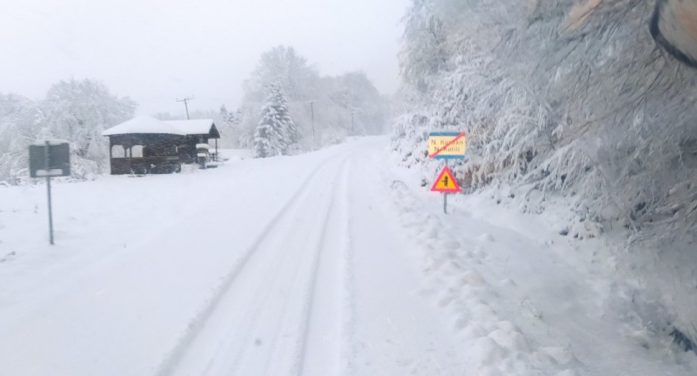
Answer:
(312, 116)
(186, 105)
(353, 131)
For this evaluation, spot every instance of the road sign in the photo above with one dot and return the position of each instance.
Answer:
(49, 159)
(446, 182)
(447, 145)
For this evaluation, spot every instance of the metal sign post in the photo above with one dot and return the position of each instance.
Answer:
(49, 159)
(445, 194)
(47, 162)
(446, 146)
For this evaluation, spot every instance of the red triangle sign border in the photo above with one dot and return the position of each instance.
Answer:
(449, 172)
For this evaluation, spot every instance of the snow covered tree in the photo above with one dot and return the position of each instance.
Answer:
(356, 97)
(424, 51)
(284, 67)
(573, 99)
(266, 138)
(325, 108)
(231, 119)
(19, 126)
(78, 111)
(276, 133)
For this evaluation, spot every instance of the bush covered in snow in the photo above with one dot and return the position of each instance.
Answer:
(571, 99)
(77, 111)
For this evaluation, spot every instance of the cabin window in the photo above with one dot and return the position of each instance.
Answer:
(117, 151)
(137, 151)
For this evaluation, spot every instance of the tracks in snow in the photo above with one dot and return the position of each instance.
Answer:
(268, 315)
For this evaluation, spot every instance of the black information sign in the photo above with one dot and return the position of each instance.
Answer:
(46, 160)
(51, 159)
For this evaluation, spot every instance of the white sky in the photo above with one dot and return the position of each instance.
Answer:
(156, 50)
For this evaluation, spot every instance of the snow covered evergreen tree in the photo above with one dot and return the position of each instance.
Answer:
(276, 133)
(265, 139)
(325, 108)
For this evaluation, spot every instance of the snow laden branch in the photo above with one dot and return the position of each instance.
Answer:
(570, 100)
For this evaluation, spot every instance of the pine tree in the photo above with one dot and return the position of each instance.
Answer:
(263, 140)
(266, 137)
(276, 131)
(288, 129)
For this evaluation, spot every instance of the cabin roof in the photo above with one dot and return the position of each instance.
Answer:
(150, 125)
(198, 126)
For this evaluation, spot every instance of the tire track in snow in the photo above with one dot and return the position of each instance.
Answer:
(315, 254)
(252, 316)
(279, 354)
(348, 310)
(169, 364)
(311, 293)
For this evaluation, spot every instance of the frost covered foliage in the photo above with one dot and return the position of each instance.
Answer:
(572, 99)
(230, 123)
(19, 126)
(276, 133)
(325, 109)
(76, 111)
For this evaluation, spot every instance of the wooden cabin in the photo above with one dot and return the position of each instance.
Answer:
(145, 145)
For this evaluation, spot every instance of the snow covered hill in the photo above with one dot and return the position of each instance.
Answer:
(328, 263)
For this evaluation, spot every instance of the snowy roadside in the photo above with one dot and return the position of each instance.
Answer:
(152, 273)
(242, 289)
(531, 301)
(135, 259)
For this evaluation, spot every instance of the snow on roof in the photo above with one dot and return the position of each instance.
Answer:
(141, 124)
(198, 126)
(150, 125)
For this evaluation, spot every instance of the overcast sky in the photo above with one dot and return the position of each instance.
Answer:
(156, 50)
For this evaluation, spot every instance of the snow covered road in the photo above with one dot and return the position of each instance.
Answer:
(283, 267)
(322, 292)
(328, 263)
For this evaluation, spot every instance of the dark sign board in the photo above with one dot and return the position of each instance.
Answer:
(49, 160)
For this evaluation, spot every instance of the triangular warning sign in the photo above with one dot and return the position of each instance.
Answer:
(446, 182)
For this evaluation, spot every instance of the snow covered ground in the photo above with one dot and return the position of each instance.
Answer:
(329, 263)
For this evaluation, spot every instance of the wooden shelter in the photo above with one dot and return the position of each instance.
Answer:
(145, 145)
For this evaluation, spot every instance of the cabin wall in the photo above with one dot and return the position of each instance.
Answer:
(152, 153)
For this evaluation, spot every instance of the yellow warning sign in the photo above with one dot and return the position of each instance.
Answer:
(446, 182)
